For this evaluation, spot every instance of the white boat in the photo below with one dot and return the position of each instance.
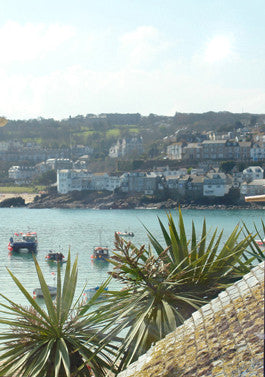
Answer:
(125, 234)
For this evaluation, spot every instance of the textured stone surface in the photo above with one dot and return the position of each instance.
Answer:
(224, 338)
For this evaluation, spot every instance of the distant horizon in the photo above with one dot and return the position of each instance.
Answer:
(137, 112)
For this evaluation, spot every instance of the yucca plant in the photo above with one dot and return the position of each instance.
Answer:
(60, 341)
(255, 250)
(164, 286)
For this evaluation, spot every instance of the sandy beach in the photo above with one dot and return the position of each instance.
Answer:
(29, 198)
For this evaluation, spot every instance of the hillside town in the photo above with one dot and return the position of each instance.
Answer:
(192, 167)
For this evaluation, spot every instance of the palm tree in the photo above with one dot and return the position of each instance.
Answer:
(162, 288)
(63, 340)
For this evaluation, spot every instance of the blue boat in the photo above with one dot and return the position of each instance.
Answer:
(23, 241)
(89, 293)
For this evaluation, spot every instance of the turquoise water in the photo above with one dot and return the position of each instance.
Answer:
(59, 229)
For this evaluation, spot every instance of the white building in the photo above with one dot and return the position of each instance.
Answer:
(253, 172)
(174, 151)
(197, 171)
(255, 187)
(80, 179)
(102, 181)
(167, 172)
(59, 163)
(21, 174)
(127, 146)
(72, 179)
(257, 151)
(216, 184)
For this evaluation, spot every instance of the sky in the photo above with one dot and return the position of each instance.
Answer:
(68, 58)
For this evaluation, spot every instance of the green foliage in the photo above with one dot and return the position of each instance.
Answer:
(61, 341)
(162, 288)
(20, 189)
(227, 166)
(113, 133)
(255, 250)
(47, 178)
(232, 197)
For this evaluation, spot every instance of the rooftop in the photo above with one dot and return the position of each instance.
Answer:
(223, 338)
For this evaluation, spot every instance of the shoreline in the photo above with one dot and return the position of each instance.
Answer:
(115, 202)
(28, 197)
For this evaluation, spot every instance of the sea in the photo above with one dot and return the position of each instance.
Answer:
(80, 230)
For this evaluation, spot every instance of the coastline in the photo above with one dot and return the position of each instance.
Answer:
(28, 197)
(129, 202)
(69, 201)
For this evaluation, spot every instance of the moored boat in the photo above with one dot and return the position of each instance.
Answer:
(100, 253)
(125, 234)
(89, 293)
(39, 294)
(23, 241)
(55, 257)
(261, 243)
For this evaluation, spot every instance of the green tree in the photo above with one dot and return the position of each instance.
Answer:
(47, 178)
(61, 341)
(227, 166)
(238, 124)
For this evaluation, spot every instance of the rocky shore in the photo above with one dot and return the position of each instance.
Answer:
(113, 201)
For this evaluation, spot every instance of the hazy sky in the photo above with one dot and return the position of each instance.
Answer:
(64, 57)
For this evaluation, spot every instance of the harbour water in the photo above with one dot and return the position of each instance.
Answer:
(81, 230)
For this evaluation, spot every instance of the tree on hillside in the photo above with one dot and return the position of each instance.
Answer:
(47, 178)
(227, 166)
(238, 124)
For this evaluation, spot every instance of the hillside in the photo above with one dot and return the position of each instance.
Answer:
(101, 131)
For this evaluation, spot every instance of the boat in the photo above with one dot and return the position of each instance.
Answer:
(23, 241)
(261, 243)
(100, 253)
(55, 257)
(125, 234)
(39, 294)
(89, 293)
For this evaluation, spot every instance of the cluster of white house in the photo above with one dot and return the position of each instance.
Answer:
(127, 146)
(25, 174)
(18, 151)
(218, 150)
(196, 184)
